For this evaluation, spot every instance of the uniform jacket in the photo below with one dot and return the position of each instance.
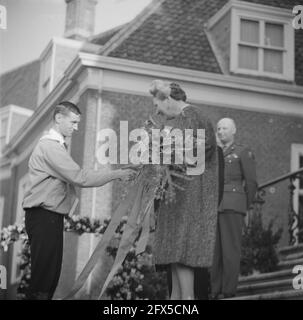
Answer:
(240, 182)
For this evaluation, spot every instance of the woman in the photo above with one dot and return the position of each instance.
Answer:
(185, 229)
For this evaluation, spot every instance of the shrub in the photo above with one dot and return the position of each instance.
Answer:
(259, 247)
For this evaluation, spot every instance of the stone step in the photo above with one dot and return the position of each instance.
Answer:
(289, 250)
(263, 277)
(289, 264)
(284, 295)
(265, 287)
(292, 256)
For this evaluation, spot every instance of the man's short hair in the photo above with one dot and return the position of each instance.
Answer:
(65, 107)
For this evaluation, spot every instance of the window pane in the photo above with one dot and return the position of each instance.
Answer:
(273, 61)
(249, 31)
(274, 35)
(248, 58)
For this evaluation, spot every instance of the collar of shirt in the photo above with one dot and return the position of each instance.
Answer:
(52, 134)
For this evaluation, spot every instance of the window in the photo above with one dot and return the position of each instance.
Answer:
(262, 41)
(261, 46)
(254, 39)
(17, 246)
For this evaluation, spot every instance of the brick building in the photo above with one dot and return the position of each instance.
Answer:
(238, 59)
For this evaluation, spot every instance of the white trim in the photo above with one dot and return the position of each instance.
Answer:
(201, 77)
(17, 247)
(258, 9)
(52, 68)
(8, 111)
(14, 108)
(9, 124)
(134, 77)
(5, 173)
(46, 54)
(21, 110)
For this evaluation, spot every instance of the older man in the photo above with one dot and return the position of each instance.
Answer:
(240, 186)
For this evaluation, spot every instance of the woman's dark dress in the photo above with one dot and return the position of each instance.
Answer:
(185, 229)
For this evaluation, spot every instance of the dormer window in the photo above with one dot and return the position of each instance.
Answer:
(261, 39)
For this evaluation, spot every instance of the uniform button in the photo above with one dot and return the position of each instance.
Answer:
(229, 161)
(234, 189)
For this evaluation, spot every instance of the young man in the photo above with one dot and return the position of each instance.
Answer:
(52, 177)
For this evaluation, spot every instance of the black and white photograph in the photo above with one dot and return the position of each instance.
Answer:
(151, 150)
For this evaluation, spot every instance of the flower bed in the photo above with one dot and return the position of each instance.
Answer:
(136, 279)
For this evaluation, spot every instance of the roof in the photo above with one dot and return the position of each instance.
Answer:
(173, 35)
(105, 36)
(20, 86)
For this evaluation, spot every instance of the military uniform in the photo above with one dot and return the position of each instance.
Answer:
(240, 187)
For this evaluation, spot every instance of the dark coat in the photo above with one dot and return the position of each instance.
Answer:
(185, 230)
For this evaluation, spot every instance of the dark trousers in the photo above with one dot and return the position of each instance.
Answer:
(45, 233)
(226, 263)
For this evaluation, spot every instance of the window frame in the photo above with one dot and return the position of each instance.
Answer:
(267, 16)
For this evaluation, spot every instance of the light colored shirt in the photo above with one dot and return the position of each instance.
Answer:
(53, 174)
